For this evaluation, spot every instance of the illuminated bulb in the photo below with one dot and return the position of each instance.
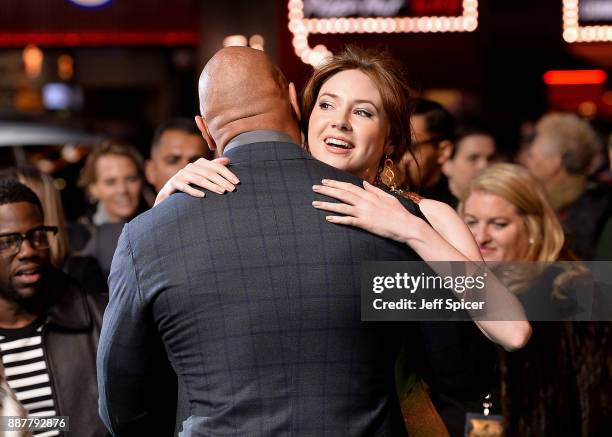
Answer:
(235, 40)
(352, 25)
(570, 35)
(343, 25)
(470, 24)
(369, 25)
(300, 43)
(32, 60)
(256, 40)
(305, 56)
(444, 24)
(65, 67)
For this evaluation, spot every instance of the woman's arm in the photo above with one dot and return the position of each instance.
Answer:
(211, 175)
(447, 239)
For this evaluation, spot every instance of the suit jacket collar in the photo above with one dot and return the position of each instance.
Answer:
(275, 148)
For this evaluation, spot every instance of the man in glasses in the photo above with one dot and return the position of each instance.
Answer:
(49, 328)
(433, 129)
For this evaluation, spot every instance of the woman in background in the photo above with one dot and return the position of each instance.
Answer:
(561, 382)
(113, 176)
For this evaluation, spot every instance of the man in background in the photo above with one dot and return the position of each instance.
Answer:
(473, 151)
(49, 327)
(561, 157)
(176, 143)
(433, 129)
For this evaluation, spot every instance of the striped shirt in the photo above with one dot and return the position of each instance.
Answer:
(26, 371)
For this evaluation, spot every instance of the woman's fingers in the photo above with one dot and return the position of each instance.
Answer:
(176, 184)
(337, 193)
(215, 173)
(347, 220)
(340, 208)
(376, 191)
(218, 166)
(347, 186)
(185, 188)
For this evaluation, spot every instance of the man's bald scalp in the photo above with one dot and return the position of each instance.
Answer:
(242, 81)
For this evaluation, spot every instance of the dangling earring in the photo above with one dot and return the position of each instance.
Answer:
(388, 174)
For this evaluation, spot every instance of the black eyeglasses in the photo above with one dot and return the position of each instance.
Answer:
(432, 140)
(38, 238)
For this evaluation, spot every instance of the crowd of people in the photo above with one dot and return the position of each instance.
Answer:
(233, 309)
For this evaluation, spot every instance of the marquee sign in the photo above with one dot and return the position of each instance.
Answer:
(587, 20)
(375, 16)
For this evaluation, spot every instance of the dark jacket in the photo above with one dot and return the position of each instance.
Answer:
(255, 300)
(70, 339)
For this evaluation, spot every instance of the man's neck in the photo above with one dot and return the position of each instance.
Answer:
(224, 134)
(565, 190)
(14, 316)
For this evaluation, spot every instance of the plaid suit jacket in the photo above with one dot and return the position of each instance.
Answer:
(254, 299)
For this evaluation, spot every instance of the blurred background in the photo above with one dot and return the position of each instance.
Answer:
(75, 71)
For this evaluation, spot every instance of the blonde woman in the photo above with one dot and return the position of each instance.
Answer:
(561, 382)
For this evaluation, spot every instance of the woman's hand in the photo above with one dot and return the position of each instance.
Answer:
(211, 175)
(368, 208)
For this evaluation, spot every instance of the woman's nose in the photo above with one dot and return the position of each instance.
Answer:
(482, 234)
(341, 122)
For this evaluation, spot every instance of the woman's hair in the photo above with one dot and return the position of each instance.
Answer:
(53, 211)
(516, 185)
(388, 76)
(88, 173)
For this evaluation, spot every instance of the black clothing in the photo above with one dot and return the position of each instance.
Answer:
(441, 192)
(584, 219)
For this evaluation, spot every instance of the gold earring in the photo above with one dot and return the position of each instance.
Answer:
(388, 174)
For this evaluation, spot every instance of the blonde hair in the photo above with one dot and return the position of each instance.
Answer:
(53, 211)
(89, 175)
(516, 185)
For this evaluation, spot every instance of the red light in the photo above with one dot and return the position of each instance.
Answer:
(575, 77)
(98, 39)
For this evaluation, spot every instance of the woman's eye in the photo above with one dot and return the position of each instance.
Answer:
(470, 222)
(363, 113)
(324, 105)
(500, 225)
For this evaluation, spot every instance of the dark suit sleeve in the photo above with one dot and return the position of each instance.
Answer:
(132, 363)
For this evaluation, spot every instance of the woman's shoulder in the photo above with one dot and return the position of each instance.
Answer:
(431, 207)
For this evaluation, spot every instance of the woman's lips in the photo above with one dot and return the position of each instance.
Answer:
(338, 146)
(486, 249)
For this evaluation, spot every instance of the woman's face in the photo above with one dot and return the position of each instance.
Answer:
(348, 126)
(497, 227)
(117, 186)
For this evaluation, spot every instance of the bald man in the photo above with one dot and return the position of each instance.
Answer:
(251, 297)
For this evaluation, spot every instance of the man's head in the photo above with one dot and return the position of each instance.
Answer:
(176, 143)
(241, 90)
(23, 261)
(473, 151)
(563, 145)
(433, 130)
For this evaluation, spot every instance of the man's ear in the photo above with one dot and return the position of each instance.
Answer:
(293, 98)
(150, 171)
(445, 150)
(201, 123)
(447, 168)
